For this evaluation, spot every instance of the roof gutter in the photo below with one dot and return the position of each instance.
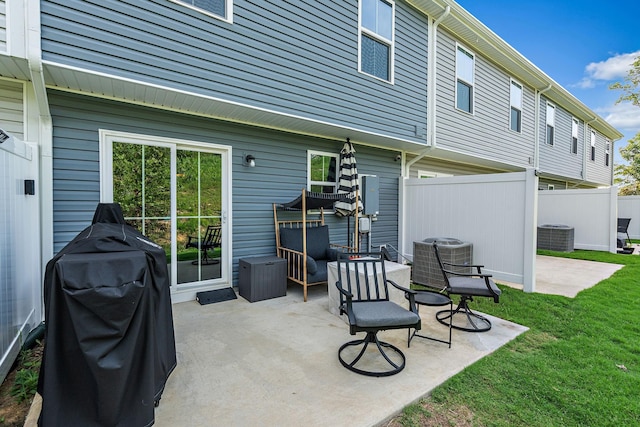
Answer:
(536, 153)
(431, 89)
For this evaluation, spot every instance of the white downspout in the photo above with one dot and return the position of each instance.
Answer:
(431, 90)
(45, 131)
(536, 133)
(431, 125)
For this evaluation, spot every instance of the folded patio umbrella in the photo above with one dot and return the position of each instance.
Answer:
(348, 184)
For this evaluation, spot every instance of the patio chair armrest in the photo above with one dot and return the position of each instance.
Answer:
(478, 266)
(402, 288)
(343, 291)
(456, 273)
(348, 299)
(409, 293)
(192, 242)
(290, 251)
(496, 297)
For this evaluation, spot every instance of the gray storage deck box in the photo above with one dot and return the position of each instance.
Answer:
(261, 278)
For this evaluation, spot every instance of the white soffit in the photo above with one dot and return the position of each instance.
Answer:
(86, 82)
(14, 67)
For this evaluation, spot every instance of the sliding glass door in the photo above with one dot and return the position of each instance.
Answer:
(175, 193)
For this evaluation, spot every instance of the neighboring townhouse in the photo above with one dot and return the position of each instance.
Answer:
(420, 87)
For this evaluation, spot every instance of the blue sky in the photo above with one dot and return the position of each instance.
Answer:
(584, 46)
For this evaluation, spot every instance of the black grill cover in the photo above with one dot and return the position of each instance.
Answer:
(109, 339)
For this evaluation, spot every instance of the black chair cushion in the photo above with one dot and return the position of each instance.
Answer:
(474, 286)
(317, 240)
(383, 314)
(312, 266)
(320, 274)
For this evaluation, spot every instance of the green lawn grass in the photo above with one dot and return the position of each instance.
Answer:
(578, 365)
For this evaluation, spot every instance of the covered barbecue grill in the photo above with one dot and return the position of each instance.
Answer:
(109, 340)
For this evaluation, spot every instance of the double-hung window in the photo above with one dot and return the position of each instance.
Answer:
(465, 65)
(322, 172)
(222, 9)
(593, 145)
(551, 123)
(516, 107)
(377, 38)
(574, 136)
(607, 151)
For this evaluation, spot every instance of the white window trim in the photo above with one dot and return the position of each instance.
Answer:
(575, 126)
(553, 124)
(322, 153)
(518, 107)
(472, 84)
(228, 9)
(592, 155)
(391, 43)
(607, 153)
(179, 293)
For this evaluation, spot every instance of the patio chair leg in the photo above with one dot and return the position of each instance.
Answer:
(372, 337)
(477, 322)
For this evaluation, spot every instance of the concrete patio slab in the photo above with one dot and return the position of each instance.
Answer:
(567, 277)
(274, 363)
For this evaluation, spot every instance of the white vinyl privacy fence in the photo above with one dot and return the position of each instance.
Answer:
(496, 213)
(629, 207)
(592, 213)
(20, 278)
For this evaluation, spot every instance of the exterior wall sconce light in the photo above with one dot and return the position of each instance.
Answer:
(249, 161)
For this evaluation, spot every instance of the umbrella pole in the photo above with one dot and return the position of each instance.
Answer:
(356, 225)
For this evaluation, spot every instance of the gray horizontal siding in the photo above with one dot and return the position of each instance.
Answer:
(429, 164)
(486, 133)
(293, 57)
(3, 26)
(279, 175)
(11, 108)
(596, 170)
(557, 159)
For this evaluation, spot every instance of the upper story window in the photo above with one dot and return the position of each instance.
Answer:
(465, 71)
(607, 152)
(574, 136)
(551, 123)
(377, 38)
(322, 172)
(593, 145)
(516, 107)
(222, 9)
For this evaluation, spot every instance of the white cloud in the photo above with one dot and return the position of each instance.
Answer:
(624, 116)
(613, 68)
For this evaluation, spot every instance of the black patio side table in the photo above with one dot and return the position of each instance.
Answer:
(431, 299)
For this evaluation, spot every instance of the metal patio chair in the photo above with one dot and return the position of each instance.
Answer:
(212, 239)
(624, 243)
(364, 298)
(467, 285)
